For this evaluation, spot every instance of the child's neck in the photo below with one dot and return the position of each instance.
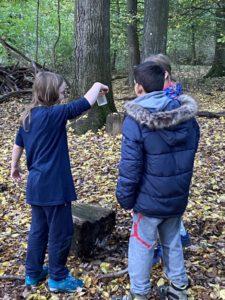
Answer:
(168, 83)
(141, 94)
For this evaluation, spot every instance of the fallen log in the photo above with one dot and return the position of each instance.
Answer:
(209, 114)
(114, 121)
(7, 97)
(8, 81)
(11, 277)
(92, 225)
(14, 81)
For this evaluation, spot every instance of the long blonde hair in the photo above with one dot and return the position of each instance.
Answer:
(45, 93)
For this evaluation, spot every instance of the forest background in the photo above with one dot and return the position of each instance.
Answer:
(89, 41)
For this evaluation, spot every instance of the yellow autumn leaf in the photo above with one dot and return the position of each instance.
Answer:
(24, 245)
(105, 295)
(8, 231)
(160, 282)
(105, 267)
(54, 297)
(87, 281)
(222, 294)
(5, 264)
(6, 218)
(2, 272)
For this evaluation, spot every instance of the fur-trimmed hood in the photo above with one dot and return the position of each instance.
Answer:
(163, 119)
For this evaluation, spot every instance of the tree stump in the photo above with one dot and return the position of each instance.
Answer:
(114, 123)
(92, 224)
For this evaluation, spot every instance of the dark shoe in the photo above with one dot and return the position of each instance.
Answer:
(170, 292)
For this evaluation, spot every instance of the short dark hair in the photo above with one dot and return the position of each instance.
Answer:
(150, 75)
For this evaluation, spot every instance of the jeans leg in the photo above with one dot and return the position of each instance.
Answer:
(169, 233)
(140, 253)
(37, 242)
(60, 236)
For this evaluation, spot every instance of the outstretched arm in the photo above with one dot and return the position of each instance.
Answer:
(16, 155)
(76, 108)
(94, 91)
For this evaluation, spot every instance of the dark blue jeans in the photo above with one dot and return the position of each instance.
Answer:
(52, 227)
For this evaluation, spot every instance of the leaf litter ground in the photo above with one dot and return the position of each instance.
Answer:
(94, 161)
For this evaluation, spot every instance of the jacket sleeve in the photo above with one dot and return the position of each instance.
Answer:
(75, 108)
(131, 164)
(19, 138)
(63, 112)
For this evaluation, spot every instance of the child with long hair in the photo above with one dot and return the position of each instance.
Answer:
(50, 188)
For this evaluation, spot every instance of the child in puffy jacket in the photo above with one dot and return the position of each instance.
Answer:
(173, 90)
(160, 139)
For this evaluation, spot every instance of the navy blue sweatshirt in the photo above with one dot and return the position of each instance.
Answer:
(50, 180)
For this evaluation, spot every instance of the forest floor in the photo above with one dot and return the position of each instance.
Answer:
(95, 181)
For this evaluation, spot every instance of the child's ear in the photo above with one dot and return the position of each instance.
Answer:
(139, 90)
(167, 75)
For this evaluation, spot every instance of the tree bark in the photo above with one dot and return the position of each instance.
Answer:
(92, 58)
(193, 46)
(59, 34)
(218, 66)
(132, 37)
(155, 27)
(114, 56)
(114, 60)
(37, 30)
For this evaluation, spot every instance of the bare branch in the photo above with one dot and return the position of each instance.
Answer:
(114, 274)
(11, 277)
(10, 47)
(59, 33)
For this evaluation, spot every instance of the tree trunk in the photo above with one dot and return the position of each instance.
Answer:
(155, 27)
(218, 66)
(193, 46)
(114, 60)
(115, 50)
(92, 58)
(132, 36)
(114, 123)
